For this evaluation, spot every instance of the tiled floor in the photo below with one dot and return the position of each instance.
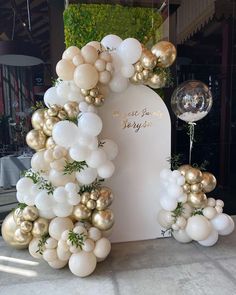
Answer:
(154, 267)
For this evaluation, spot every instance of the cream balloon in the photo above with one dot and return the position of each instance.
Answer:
(58, 178)
(89, 54)
(86, 76)
(57, 264)
(82, 264)
(70, 52)
(229, 229)
(211, 239)
(102, 248)
(38, 162)
(33, 248)
(198, 228)
(181, 236)
(65, 69)
(58, 225)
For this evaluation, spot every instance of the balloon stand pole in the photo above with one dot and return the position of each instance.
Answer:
(191, 127)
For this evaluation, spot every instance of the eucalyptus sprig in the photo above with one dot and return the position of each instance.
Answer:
(164, 232)
(56, 82)
(175, 161)
(101, 143)
(178, 211)
(88, 188)
(41, 243)
(74, 166)
(38, 105)
(202, 166)
(76, 239)
(72, 119)
(21, 206)
(42, 183)
(197, 212)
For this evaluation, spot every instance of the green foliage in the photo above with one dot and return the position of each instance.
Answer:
(74, 166)
(175, 161)
(76, 240)
(88, 188)
(91, 22)
(41, 243)
(38, 105)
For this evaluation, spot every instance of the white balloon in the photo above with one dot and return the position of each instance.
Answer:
(59, 164)
(181, 236)
(165, 174)
(187, 211)
(60, 194)
(229, 229)
(63, 89)
(50, 255)
(88, 245)
(51, 97)
(65, 133)
(58, 225)
(211, 202)
(87, 175)
(165, 218)
(94, 233)
(102, 248)
(43, 201)
(58, 178)
(47, 214)
(116, 62)
(83, 263)
(33, 248)
(209, 212)
(111, 41)
(85, 139)
(79, 152)
(220, 222)
(211, 239)
(106, 170)
(127, 71)
(51, 243)
(118, 83)
(183, 198)
(181, 180)
(48, 155)
(57, 264)
(29, 200)
(198, 227)
(168, 204)
(74, 199)
(174, 191)
(96, 158)
(110, 148)
(62, 209)
(63, 255)
(130, 50)
(90, 124)
(38, 162)
(20, 197)
(24, 185)
(71, 187)
(83, 106)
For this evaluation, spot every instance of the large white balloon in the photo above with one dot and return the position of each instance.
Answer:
(130, 50)
(229, 229)
(38, 162)
(118, 83)
(220, 222)
(97, 158)
(58, 225)
(168, 204)
(83, 263)
(111, 41)
(198, 228)
(90, 124)
(51, 97)
(79, 152)
(211, 239)
(86, 176)
(65, 133)
(58, 178)
(24, 185)
(43, 201)
(106, 170)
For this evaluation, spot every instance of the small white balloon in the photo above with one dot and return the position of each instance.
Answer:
(88, 245)
(60, 194)
(87, 175)
(130, 50)
(90, 124)
(209, 212)
(211, 239)
(165, 218)
(229, 229)
(43, 201)
(165, 174)
(65, 133)
(198, 227)
(50, 255)
(102, 248)
(63, 255)
(220, 222)
(168, 204)
(51, 97)
(38, 162)
(51, 243)
(57, 264)
(127, 71)
(24, 185)
(48, 214)
(58, 225)
(33, 248)
(62, 209)
(94, 233)
(211, 202)
(79, 152)
(96, 158)
(111, 41)
(181, 236)
(58, 178)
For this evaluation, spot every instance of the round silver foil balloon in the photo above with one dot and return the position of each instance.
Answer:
(191, 101)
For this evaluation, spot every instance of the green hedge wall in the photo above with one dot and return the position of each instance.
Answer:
(87, 22)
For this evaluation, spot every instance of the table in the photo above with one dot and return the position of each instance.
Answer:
(11, 168)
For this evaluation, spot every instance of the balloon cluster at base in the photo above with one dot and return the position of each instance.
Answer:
(187, 212)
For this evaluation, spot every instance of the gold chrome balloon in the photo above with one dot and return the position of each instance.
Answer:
(22, 238)
(30, 213)
(85, 198)
(40, 227)
(103, 220)
(62, 115)
(99, 100)
(26, 227)
(94, 194)
(37, 119)
(183, 168)
(138, 67)
(148, 60)
(94, 92)
(53, 110)
(89, 99)
(165, 53)
(72, 109)
(50, 143)
(193, 176)
(105, 198)
(134, 79)
(17, 215)
(8, 232)
(208, 182)
(91, 204)
(156, 81)
(186, 188)
(81, 212)
(197, 200)
(196, 188)
(36, 139)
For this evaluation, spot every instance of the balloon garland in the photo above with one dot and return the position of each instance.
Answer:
(64, 214)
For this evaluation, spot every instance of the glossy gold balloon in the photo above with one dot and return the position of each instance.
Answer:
(103, 220)
(47, 131)
(197, 200)
(85, 198)
(146, 74)
(94, 92)
(40, 227)
(148, 60)
(105, 198)
(89, 99)
(138, 67)
(36, 139)
(53, 110)
(134, 79)
(186, 188)
(196, 188)
(193, 176)
(183, 168)
(91, 204)
(99, 100)
(37, 119)
(156, 81)
(81, 212)
(17, 215)
(165, 53)
(72, 109)
(30, 213)
(22, 238)
(208, 182)
(49, 124)
(8, 232)
(26, 227)
(62, 115)
(94, 194)
(50, 143)
(84, 92)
